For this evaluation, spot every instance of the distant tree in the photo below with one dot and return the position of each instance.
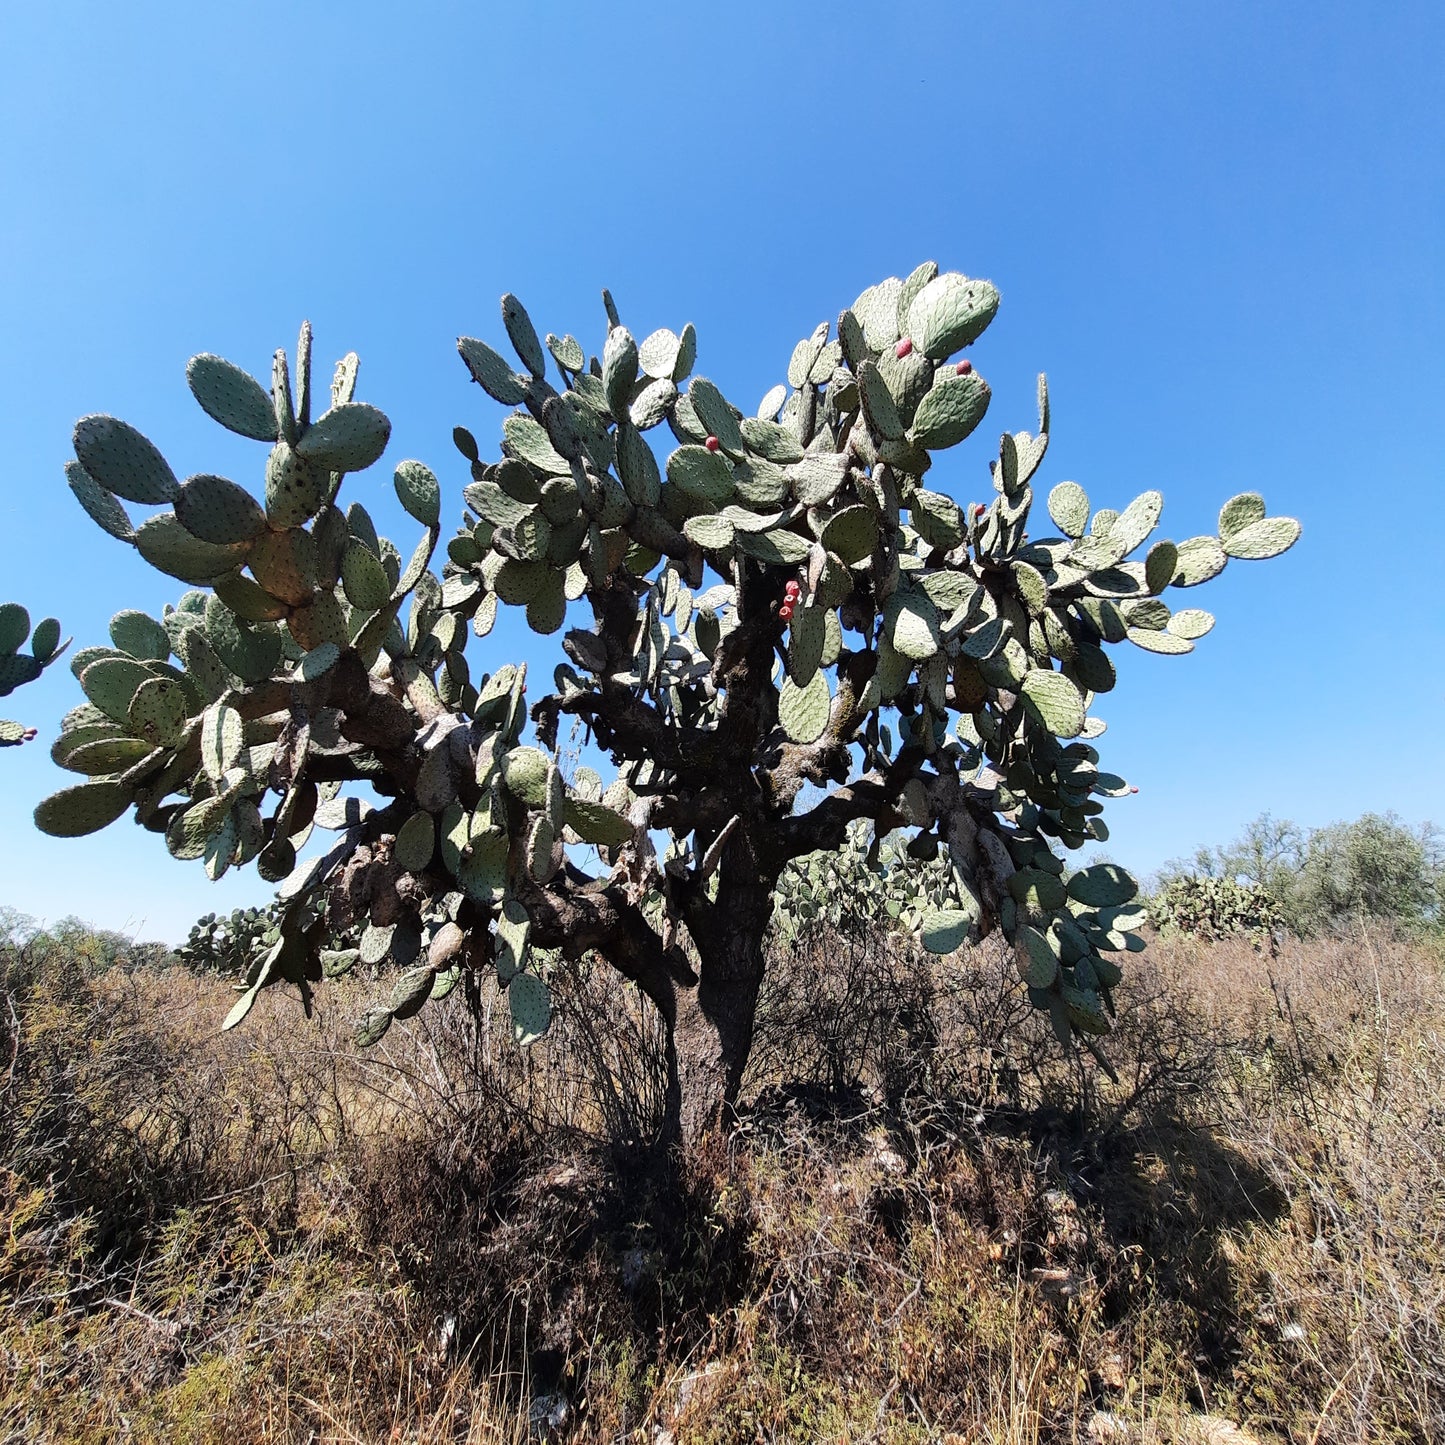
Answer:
(787, 632)
(1376, 866)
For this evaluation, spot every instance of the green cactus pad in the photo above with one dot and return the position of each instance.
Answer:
(105, 756)
(523, 335)
(596, 823)
(709, 531)
(949, 313)
(233, 397)
(1069, 507)
(117, 456)
(524, 770)
(1054, 701)
(284, 563)
(567, 352)
(945, 930)
(937, 519)
(541, 843)
(158, 711)
(803, 711)
(45, 643)
(492, 372)
(547, 609)
(878, 404)
(13, 733)
(619, 369)
(251, 652)
(1240, 512)
(1191, 623)
(418, 491)
(217, 510)
(14, 627)
(411, 991)
(1105, 885)
(483, 873)
(222, 740)
(531, 443)
(1169, 644)
(1200, 558)
(1136, 521)
(416, 842)
(323, 621)
(531, 1007)
(111, 683)
(716, 415)
(100, 505)
(1160, 566)
(910, 623)
(701, 474)
(950, 411)
(372, 1028)
(348, 438)
(364, 579)
(769, 440)
(1038, 964)
(1265, 538)
(167, 545)
(658, 354)
(851, 535)
(652, 404)
(806, 635)
(86, 808)
(816, 479)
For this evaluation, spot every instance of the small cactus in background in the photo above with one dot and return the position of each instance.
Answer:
(226, 943)
(936, 670)
(1215, 908)
(17, 668)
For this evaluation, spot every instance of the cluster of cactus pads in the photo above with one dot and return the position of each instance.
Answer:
(17, 667)
(1215, 908)
(861, 886)
(778, 598)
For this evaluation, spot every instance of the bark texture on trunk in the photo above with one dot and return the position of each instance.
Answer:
(712, 1032)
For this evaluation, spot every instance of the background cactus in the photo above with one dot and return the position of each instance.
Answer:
(1213, 908)
(17, 668)
(789, 634)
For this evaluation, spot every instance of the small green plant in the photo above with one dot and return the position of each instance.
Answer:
(17, 668)
(786, 599)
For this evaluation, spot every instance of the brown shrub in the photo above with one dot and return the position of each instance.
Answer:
(929, 1220)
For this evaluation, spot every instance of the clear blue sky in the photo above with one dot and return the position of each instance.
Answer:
(1219, 227)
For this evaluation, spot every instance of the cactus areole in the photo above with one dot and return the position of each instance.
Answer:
(938, 673)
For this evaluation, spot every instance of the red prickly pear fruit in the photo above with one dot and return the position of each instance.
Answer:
(1134, 789)
(786, 612)
(963, 368)
(979, 509)
(903, 347)
(712, 444)
(792, 589)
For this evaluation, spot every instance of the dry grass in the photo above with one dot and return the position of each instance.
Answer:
(928, 1226)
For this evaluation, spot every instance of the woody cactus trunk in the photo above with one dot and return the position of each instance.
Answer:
(777, 625)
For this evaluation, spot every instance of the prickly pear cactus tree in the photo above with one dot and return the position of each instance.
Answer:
(776, 623)
(17, 668)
